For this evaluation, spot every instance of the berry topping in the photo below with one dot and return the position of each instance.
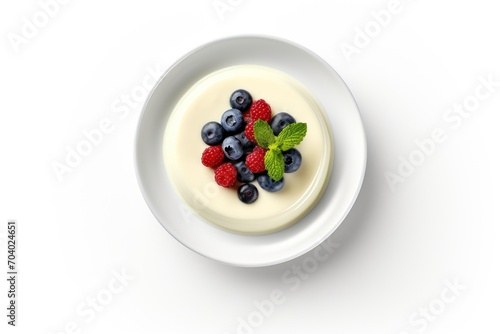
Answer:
(260, 110)
(232, 120)
(232, 148)
(212, 133)
(293, 159)
(248, 193)
(244, 173)
(249, 144)
(225, 175)
(249, 132)
(280, 121)
(255, 160)
(212, 156)
(268, 184)
(241, 100)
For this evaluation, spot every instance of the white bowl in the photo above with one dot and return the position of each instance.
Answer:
(345, 181)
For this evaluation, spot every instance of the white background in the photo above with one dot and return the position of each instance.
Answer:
(397, 248)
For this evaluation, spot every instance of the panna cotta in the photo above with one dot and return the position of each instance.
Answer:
(206, 101)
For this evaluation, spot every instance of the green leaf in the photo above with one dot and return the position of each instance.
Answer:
(263, 133)
(291, 136)
(275, 164)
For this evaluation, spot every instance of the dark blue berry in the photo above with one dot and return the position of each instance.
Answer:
(269, 184)
(232, 147)
(293, 159)
(248, 193)
(280, 121)
(247, 144)
(241, 100)
(232, 120)
(244, 174)
(212, 133)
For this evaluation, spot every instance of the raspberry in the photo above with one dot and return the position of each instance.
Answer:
(212, 156)
(260, 110)
(225, 175)
(249, 132)
(255, 160)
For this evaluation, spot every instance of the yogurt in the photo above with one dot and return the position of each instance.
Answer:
(205, 101)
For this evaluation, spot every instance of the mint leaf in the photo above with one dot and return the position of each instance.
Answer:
(275, 164)
(291, 136)
(263, 133)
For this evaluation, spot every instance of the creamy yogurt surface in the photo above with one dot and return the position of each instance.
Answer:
(206, 101)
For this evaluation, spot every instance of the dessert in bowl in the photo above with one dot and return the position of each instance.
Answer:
(188, 225)
(201, 191)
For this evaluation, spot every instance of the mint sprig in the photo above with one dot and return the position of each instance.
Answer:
(289, 137)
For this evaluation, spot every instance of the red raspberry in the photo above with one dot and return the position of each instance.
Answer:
(260, 110)
(225, 175)
(212, 156)
(255, 160)
(249, 132)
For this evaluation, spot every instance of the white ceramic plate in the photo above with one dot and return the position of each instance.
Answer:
(348, 170)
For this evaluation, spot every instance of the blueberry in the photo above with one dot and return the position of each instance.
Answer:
(280, 121)
(269, 184)
(247, 144)
(232, 147)
(212, 133)
(232, 120)
(293, 159)
(241, 100)
(244, 174)
(248, 193)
